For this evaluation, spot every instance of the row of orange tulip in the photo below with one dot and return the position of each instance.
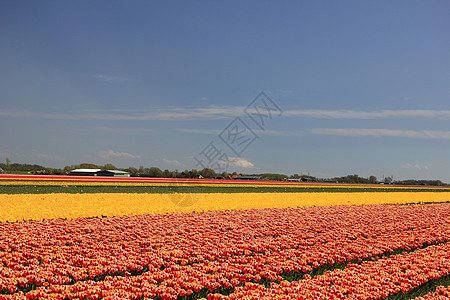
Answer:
(370, 280)
(181, 254)
(442, 293)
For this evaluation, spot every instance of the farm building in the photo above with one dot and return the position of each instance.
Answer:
(114, 173)
(99, 172)
(84, 172)
(248, 177)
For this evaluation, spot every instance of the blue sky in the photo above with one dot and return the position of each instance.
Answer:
(363, 87)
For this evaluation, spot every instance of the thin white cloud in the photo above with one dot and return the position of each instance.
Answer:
(424, 134)
(415, 167)
(216, 113)
(124, 130)
(353, 114)
(157, 113)
(12, 114)
(202, 113)
(37, 115)
(109, 78)
(239, 162)
(200, 131)
(112, 154)
(285, 92)
(353, 132)
(218, 131)
(173, 162)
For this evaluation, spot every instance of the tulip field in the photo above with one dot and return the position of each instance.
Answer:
(289, 243)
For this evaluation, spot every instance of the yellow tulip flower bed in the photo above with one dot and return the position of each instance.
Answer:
(20, 207)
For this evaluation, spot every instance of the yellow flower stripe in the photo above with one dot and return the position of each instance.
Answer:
(53, 206)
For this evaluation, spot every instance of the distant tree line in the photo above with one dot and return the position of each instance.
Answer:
(20, 167)
(142, 171)
(421, 182)
(355, 179)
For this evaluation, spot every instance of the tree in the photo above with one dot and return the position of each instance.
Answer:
(88, 166)
(187, 174)
(167, 174)
(109, 167)
(207, 173)
(372, 179)
(8, 161)
(133, 171)
(274, 176)
(194, 173)
(155, 172)
(67, 170)
(141, 170)
(351, 179)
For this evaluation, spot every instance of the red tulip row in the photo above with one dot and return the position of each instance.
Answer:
(169, 256)
(369, 280)
(441, 293)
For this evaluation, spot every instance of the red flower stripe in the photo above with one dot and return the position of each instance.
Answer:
(440, 294)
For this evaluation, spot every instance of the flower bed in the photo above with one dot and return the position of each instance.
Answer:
(354, 252)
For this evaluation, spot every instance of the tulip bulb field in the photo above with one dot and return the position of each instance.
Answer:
(106, 238)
